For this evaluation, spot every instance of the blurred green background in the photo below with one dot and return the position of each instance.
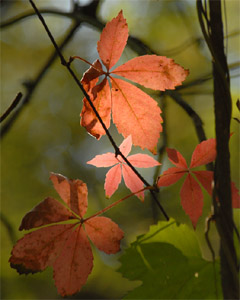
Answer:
(47, 136)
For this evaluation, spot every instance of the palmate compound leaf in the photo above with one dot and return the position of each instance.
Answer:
(168, 262)
(119, 168)
(191, 194)
(133, 111)
(65, 247)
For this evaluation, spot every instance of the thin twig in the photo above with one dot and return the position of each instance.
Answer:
(67, 65)
(34, 83)
(116, 202)
(11, 107)
(207, 229)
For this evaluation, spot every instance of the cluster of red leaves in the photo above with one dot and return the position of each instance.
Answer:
(64, 246)
(191, 193)
(120, 168)
(60, 236)
(133, 111)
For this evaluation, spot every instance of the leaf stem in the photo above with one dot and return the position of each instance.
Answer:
(117, 202)
(84, 60)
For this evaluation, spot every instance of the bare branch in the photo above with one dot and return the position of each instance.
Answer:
(11, 107)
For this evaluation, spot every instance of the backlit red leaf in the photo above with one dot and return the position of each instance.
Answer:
(170, 176)
(154, 72)
(103, 160)
(73, 193)
(206, 179)
(135, 113)
(204, 153)
(101, 99)
(74, 264)
(143, 161)
(39, 249)
(126, 146)
(104, 233)
(113, 40)
(65, 247)
(132, 181)
(113, 179)
(91, 76)
(176, 158)
(192, 199)
(114, 175)
(46, 212)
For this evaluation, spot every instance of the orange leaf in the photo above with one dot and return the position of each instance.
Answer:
(154, 72)
(73, 192)
(192, 199)
(132, 181)
(46, 212)
(135, 113)
(38, 249)
(74, 264)
(113, 40)
(91, 76)
(104, 233)
(143, 161)
(65, 247)
(101, 99)
(112, 181)
(204, 153)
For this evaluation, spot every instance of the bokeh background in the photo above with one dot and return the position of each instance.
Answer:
(46, 135)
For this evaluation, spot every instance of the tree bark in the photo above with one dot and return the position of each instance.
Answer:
(222, 178)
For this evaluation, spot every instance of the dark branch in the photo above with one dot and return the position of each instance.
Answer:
(11, 107)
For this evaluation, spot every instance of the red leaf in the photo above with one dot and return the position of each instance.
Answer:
(143, 161)
(74, 264)
(103, 160)
(192, 199)
(101, 99)
(206, 179)
(114, 176)
(176, 158)
(46, 212)
(113, 41)
(135, 113)
(73, 192)
(65, 247)
(170, 176)
(38, 249)
(91, 76)
(204, 153)
(154, 72)
(126, 146)
(104, 233)
(112, 181)
(132, 181)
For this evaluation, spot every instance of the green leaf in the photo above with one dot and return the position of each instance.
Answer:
(168, 261)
